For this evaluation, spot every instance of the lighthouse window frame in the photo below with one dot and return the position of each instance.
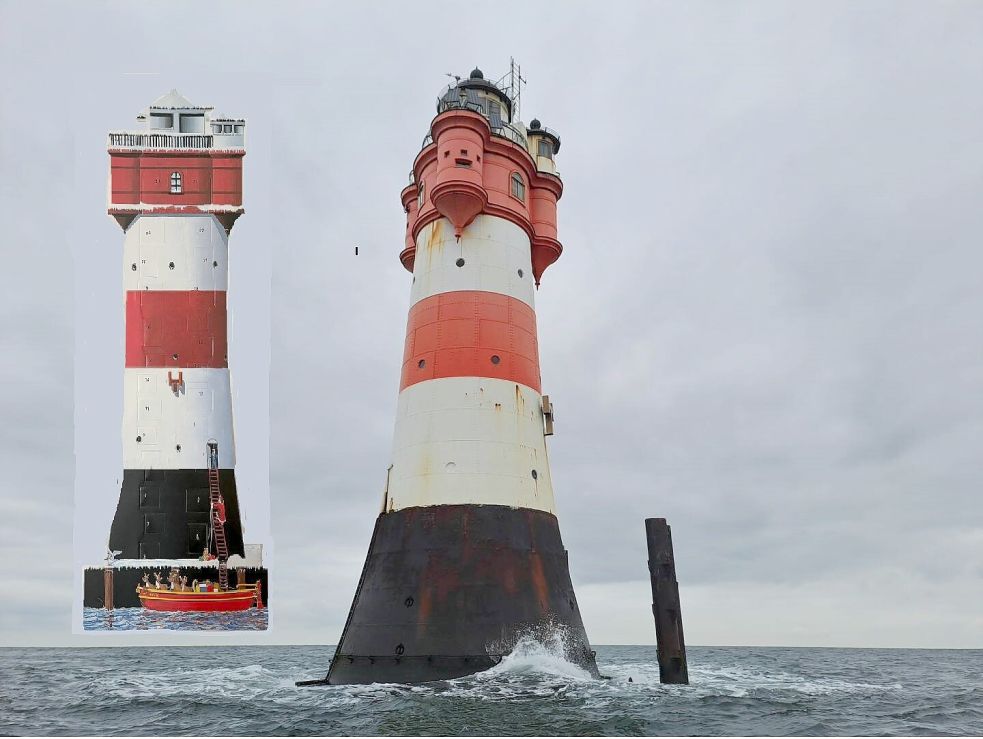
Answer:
(177, 183)
(420, 195)
(518, 187)
(546, 148)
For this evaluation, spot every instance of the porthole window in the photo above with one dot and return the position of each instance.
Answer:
(518, 187)
(170, 265)
(535, 475)
(495, 359)
(422, 363)
(460, 262)
(177, 186)
(521, 273)
(133, 267)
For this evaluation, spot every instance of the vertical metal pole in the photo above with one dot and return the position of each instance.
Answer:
(107, 584)
(665, 603)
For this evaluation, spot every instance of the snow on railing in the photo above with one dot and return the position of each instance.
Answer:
(146, 140)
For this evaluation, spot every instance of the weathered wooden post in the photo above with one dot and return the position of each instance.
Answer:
(665, 603)
(107, 584)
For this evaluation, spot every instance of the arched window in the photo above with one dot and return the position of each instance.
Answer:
(518, 187)
(176, 188)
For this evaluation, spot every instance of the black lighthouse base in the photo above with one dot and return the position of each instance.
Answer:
(449, 590)
(164, 514)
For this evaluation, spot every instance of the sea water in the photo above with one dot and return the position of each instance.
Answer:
(227, 690)
(143, 619)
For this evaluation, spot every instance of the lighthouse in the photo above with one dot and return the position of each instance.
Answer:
(176, 191)
(466, 556)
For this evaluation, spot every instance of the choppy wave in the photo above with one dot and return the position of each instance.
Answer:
(535, 690)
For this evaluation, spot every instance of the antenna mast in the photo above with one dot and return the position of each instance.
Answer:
(515, 86)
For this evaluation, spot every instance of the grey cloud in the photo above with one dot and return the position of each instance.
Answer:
(765, 325)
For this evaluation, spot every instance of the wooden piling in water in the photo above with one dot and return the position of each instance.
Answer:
(107, 583)
(665, 603)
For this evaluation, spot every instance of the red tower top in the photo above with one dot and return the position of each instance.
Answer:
(183, 158)
(478, 158)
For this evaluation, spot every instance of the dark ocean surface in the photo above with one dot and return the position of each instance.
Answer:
(227, 690)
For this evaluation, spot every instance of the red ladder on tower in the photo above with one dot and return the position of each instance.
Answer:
(218, 526)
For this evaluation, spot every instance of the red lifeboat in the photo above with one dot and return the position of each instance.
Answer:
(203, 599)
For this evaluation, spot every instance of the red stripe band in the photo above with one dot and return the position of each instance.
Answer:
(471, 334)
(176, 328)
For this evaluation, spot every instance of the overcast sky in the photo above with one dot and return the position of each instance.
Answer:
(766, 326)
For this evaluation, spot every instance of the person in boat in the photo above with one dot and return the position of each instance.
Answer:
(146, 579)
(194, 585)
(157, 581)
(184, 583)
(207, 556)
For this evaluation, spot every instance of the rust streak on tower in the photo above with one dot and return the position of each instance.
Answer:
(466, 556)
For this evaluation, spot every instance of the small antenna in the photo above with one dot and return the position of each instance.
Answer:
(515, 86)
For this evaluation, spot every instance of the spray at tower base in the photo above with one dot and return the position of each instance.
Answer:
(176, 191)
(466, 556)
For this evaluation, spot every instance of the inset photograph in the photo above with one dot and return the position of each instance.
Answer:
(176, 555)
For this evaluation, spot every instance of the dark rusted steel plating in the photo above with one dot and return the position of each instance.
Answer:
(665, 603)
(448, 590)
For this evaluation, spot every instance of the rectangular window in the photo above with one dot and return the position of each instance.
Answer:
(545, 148)
(149, 496)
(192, 123)
(197, 538)
(160, 121)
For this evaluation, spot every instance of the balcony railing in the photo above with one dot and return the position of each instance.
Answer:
(148, 140)
(512, 133)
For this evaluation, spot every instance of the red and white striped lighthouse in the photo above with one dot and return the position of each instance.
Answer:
(466, 556)
(176, 190)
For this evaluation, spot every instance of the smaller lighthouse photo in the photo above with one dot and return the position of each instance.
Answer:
(466, 558)
(176, 542)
